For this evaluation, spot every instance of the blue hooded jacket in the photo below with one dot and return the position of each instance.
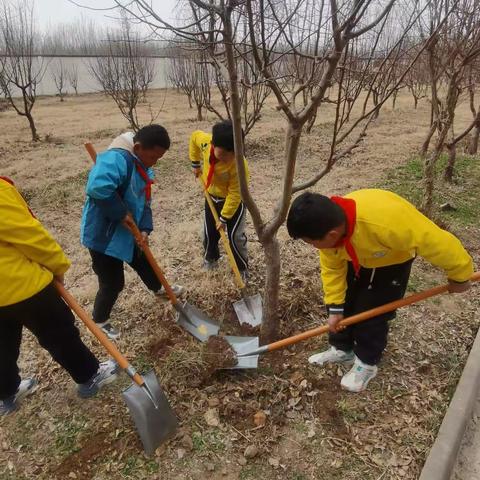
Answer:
(115, 187)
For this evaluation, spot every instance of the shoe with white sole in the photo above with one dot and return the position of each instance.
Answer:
(357, 379)
(332, 355)
(210, 264)
(107, 373)
(109, 330)
(177, 290)
(10, 404)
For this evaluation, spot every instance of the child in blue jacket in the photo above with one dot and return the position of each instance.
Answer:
(119, 185)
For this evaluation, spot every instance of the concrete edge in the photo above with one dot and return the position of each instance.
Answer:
(443, 455)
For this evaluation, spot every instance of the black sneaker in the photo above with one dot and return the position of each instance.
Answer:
(109, 331)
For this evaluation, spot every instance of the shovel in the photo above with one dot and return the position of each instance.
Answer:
(189, 317)
(249, 310)
(151, 412)
(359, 317)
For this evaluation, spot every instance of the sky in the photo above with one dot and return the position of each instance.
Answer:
(53, 12)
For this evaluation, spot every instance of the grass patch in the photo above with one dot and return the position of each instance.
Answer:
(59, 193)
(67, 434)
(463, 193)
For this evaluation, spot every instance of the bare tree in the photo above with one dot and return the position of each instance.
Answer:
(191, 73)
(72, 75)
(125, 72)
(59, 75)
(417, 80)
(293, 44)
(20, 69)
(456, 46)
(473, 84)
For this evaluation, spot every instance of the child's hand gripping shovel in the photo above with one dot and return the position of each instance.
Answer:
(151, 412)
(189, 317)
(360, 317)
(249, 309)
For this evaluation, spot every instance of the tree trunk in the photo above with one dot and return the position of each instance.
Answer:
(311, 123)
(429, 172)
(199, 113)
(33, 128)
(473, 147)
(270, 323)
(394, 99)
(452, 156)
(415, 99)
(426, 143)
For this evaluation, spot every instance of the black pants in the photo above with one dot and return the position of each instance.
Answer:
(235, 231)
(373, 288)
(111, 280)
(48, 317)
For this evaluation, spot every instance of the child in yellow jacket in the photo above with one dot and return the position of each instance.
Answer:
(368, 240)
(29, 261)
(219, 173)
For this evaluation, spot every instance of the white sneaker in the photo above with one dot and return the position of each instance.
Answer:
(177, 290)
(26, 387)
(107, 373)
(332, 355)
(356, 380)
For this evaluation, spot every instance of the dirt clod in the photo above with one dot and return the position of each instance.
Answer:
(218, 353)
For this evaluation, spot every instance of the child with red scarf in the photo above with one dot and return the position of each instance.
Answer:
(368, 241)
(219, 172)
(119, 187)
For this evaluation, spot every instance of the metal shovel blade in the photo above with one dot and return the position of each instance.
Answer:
(196, 322)
(249, 310)
(153, 417)
(242, 345)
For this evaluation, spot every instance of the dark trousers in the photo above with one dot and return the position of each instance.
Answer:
(48, 317)
(373, 288)
(235, 231)
(111, 280)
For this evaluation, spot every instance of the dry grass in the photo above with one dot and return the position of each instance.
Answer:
(313, 429)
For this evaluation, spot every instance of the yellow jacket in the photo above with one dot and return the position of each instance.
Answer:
(225, 182)
(388, 231)
(29, 256)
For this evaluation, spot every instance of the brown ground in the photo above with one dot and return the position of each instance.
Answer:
(313, 430)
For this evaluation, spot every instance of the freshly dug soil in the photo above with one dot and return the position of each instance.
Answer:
(218, 353)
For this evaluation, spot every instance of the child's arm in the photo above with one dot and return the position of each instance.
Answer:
(19, 228)
(334, 281)
(197, 138)
(106, 176)
(437, 246)
(234, 196)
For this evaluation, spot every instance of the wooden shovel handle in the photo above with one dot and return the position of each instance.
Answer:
(360, 317)
(96, 331)
(226, 243)
(130, 225)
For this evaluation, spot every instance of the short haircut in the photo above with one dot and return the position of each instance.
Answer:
(222, 135)
(152, 136)
(313, 215)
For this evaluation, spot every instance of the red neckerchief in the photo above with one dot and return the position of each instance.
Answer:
(212, 161)
(350, 209)
(8, 180)
(148, 181)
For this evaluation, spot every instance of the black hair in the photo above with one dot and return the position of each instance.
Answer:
(222, 135)
(152, 136)
(312, 216)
